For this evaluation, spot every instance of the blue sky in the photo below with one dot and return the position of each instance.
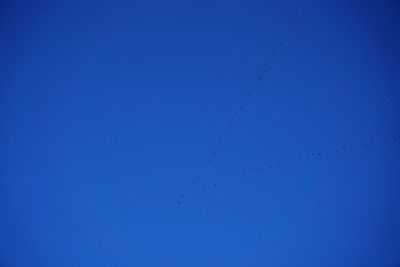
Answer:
(109, 109)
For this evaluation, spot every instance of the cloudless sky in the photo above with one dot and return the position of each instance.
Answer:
(108, 109)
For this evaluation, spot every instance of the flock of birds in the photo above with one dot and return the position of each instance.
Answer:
(241, 108)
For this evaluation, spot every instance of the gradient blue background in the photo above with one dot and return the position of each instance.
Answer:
(109, 108)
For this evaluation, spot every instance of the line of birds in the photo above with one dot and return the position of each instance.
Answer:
(313, 155)
(241, 108)
(319, 154)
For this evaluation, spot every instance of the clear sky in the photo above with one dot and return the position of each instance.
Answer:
(110, 109)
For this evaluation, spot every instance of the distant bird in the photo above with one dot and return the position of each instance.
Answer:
(178, 202)
(182, 195)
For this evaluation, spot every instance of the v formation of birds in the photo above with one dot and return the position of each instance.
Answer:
(241, 108)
